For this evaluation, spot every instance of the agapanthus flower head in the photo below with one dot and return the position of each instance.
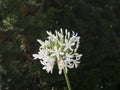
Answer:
(61, 49)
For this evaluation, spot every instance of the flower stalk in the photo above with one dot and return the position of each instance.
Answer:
(67, 80)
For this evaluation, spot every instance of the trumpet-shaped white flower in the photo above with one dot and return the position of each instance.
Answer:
(59, 48)
(61, 66)
(48, 64)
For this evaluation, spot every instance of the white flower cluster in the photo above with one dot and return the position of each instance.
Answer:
(60, 48)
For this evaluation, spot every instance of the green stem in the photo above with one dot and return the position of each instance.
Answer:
(67, 80)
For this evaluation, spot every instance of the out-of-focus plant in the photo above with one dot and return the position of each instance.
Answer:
(8, 23)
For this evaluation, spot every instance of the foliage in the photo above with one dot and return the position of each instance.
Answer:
(96, 21)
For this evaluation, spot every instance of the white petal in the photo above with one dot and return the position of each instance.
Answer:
(70, 48)
(36, 56)
(49, 33)
(45, 67)
(61, 53)
(61, 30)
(66, 32)
(68, 35)
(60, 71)
(40, 41)
(65, 48)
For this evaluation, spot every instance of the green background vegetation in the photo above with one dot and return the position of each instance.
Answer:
(96, 21)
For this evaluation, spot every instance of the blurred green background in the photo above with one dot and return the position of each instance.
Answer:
(24, 21)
